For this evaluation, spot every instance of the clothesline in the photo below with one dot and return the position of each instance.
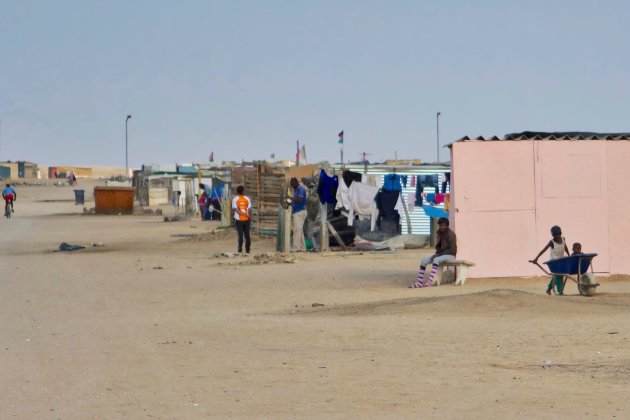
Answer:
(379, 198)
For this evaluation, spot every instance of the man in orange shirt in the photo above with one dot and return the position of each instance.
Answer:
(242, 206)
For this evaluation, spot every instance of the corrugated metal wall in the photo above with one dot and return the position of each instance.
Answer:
(420, 223)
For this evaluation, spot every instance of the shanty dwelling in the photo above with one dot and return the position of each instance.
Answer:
(27, 170)
(507, 193)
(414, 220)
(9, 170)
(64, 171)
(20, 169)
(5, 172)
(158, 190)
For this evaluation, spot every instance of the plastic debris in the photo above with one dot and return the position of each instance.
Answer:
(65, 247)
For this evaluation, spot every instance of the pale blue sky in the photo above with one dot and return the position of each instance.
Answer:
(247, 78)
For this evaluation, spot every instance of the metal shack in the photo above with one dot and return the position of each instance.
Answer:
(507, 193)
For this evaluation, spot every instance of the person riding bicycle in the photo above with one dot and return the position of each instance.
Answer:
(9, 196)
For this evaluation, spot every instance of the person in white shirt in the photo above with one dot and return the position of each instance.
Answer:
(558, 248)
(242, 206)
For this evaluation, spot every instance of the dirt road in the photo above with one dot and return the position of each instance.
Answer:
(151, 325)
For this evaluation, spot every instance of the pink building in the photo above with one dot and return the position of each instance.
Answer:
(508, 193)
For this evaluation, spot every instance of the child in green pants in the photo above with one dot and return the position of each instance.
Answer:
(558, 248)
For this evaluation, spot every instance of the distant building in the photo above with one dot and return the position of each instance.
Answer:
(402, 162)
(19, 170)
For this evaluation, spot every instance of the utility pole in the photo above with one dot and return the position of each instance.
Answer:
(126, 148)
(437, 119)
(341, 147)
(365, 161)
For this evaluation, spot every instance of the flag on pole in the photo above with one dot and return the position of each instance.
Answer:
(297, 154)
(211, 157)
(340, 137)
(303, 154)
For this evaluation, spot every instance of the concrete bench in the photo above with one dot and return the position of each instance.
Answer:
(461, 271)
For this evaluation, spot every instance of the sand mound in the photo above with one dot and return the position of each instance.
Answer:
(487, 303)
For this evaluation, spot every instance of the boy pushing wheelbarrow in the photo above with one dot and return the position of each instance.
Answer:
(561, 267)
(558, 247)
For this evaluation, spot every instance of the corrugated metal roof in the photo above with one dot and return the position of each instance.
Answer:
(539, 135)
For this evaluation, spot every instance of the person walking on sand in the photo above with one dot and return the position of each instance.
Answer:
(445, 250)
(242, 206)
(298, 208)
(558, 248)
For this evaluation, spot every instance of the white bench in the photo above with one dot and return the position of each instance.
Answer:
(461, 271)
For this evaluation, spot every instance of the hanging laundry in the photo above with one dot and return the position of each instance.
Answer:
(387, 203)
(430, 197)
(428, 181)
(343, 200)
(392, 183)
(439, 198)
(404, 181)
(435, 212)
(447, 203)
(446, 182)
(327, 188)
(349, 177)
(362, 203)
(413, 181)
(419, 191)
(390, 208)
(411, 198)
(372, 180)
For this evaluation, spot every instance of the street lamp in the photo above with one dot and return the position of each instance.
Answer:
(126, 148)
(437, 120)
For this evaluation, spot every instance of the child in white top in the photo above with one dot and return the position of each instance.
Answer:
(558, 248)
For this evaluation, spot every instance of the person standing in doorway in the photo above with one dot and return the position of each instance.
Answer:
(298, 207)
(242, 206)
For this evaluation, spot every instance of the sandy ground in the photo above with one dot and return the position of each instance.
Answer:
(153, 326)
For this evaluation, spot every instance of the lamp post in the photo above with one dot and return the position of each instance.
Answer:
(126, 148)
(437, 121)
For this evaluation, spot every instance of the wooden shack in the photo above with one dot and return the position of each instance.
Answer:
(114, 200)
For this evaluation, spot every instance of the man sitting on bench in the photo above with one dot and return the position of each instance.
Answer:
(445, 250)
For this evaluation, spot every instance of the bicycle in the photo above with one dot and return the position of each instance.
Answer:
(8, 208)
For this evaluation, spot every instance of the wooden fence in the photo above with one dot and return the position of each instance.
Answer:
(267, 191)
